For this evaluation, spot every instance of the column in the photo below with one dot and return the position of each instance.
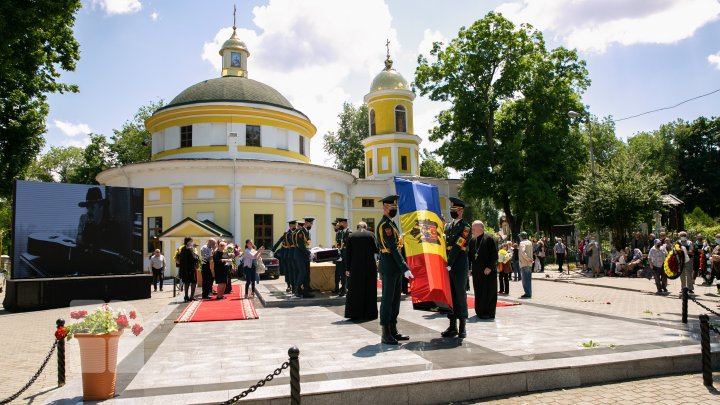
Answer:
(346, 211)
(414, 164)
(169, 257)
(289, 203)
(235, 201)
(329, 235)
(394, 165)
(177, 203)
(375, 161)
(233, 210)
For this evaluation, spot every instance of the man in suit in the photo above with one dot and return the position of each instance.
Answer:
(341, 237)
(392, 269)
(284, 255)
(457, 234)
(302, 259)
(359, 259)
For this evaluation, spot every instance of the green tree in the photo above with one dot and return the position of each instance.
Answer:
(510, 98)
(431, 167)
(658, 153)
(620, 197)
(38, 43)
(57, 164)
(345, 144)
(133, 143)
(698, 162)
(5, 225)
(96, 157)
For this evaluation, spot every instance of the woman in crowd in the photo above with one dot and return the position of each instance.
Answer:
(540, 254)
(249, 260)
(515, 262)
(188, 273)
(621, 265)
(221, 264)
(505, 267)
(592, 250)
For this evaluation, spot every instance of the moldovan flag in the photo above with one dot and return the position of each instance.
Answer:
(424, 241)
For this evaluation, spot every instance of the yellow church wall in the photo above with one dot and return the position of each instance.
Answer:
(220, 210)
(165, 196)
(221, 192)
(299, 195)
(357, 201)
(368, 163)
(381, 153)
(360, 215)
(417, 160)
(385, 114)
(163, 212)
(247, 219)
(406, 153)
(321, 223)
(250, 192)
(337, 213)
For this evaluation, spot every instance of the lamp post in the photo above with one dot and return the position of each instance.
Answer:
(575, 114)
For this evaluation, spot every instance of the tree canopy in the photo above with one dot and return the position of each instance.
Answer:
(510, 97)
(58, 164)
(345, 144)
(133, 143)
(38, 43)
(431, 167)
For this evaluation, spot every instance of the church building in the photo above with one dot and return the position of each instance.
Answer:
(230, 159)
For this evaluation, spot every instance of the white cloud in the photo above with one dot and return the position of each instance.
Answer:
(593, 26)
(430, 36)
(307, 50)
(72, 130)
(714, 60)
(118, 6)
(154, 16)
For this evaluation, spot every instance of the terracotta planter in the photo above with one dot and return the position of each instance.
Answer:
(98, 359)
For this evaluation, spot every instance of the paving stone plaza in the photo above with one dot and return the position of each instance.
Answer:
(527, 355)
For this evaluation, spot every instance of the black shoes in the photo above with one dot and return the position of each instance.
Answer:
(462, 333)
(387, 337)
(394, 332)
(451, 331)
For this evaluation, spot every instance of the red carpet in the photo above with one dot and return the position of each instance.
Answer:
(471, 303)
(233, 308)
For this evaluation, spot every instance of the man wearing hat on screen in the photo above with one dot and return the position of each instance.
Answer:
(457, 235)
(93, 223)
(302, 240)
(342, 234)
(392, 269)
(284, 254)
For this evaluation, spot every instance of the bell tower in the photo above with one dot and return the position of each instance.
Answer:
(392, 147)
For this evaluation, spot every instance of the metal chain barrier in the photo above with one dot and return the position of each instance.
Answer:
(259, 384)
(34, 377)
(693, 299)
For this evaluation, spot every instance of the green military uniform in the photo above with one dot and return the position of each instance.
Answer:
(392, 268)
(457, 235)
(302, 261)
(341, 238)
(284, 255)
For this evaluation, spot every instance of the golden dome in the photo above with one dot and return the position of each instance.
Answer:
(389, 80)
(234, 43)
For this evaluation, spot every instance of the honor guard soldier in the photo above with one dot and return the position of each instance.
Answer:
(341, 237)
(284, 254)
(302, 260)
(392, 269)
(457, 235)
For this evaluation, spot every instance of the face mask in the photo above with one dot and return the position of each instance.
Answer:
(453, 214)
(309, 227)
(392, 213)
(340, 228)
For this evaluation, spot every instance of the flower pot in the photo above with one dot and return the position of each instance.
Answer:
(98, 360)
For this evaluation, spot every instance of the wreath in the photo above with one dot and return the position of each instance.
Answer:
(674, 262)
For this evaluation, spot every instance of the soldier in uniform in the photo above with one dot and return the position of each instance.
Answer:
(457, 234)
(302, 260)
(341, 237)
(284, 254)
(392, 269)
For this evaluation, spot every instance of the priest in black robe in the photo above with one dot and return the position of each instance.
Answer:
(359, 258)
(483, 255)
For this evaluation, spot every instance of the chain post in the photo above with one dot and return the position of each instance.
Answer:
(60, 336)
(294, 354)
(705, 350)
(685, 297)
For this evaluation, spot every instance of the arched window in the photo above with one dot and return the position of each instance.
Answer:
(400, 119)
(372, 122)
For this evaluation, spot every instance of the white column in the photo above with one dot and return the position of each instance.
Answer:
(329, 235)
(169, 259)
(235, 202)
(414, 164)
(375, 161)
(395, 167)
(289, 203)
(177, 203)
(346, 211)
(233, 209)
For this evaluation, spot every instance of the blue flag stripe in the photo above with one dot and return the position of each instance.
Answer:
(417, 196)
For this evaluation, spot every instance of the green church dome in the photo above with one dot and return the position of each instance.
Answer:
(230, 89)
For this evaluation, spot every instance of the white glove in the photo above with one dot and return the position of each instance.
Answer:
(409, 275)
(449, 268)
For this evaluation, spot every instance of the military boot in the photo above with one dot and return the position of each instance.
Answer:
(396, 334)
(462, 333)
(451, 330)
(387, 336)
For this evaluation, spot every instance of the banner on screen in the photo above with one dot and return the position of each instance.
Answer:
(424, 242)
(62, 230)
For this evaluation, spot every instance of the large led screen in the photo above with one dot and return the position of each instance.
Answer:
(62, 230)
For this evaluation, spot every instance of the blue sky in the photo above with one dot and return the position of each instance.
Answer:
(641, 54)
